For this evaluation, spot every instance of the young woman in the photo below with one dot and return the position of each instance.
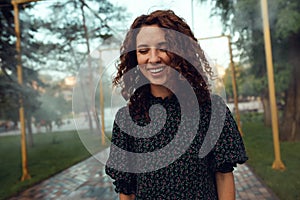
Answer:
(178, 150)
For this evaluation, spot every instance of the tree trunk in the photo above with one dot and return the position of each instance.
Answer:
(267, 110)
(290, 124)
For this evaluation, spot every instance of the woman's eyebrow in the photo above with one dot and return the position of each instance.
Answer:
(142, 45)
(163, 43)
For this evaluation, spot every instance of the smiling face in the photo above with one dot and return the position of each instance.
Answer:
(152, 56)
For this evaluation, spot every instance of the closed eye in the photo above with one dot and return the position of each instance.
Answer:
(162, 46)
(143, 50)
(163, 49)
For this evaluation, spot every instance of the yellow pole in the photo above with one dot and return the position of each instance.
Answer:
(277, 164)
(234, 88)
(25, 174)
(102, 104)
(235, 95)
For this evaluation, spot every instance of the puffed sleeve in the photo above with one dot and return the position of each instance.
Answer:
(124, 181)
(229, 149)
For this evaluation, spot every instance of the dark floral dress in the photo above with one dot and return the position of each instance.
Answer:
(187, 176)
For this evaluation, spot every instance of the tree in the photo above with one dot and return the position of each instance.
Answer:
(11, 91)
(53, 43)
(243, 19)
(8, 84)
(69, 24)
(74, 28)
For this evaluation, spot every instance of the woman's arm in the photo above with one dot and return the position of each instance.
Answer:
(225, 186)
(126, 197)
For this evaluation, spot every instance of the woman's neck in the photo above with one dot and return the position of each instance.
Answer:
(160, 91)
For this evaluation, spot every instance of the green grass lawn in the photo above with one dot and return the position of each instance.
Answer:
(52, 153)
(259, 145)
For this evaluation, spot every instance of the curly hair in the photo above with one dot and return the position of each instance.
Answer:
(187, 57)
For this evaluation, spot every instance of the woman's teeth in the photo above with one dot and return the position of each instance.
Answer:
(156, 70)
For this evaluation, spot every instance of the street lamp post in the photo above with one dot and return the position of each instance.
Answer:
(15, 3)
(235, 94)
(234, 87)
(101, 101)
(277, 164)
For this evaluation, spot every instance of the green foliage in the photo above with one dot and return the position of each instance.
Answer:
(8, 97)
(282, 76)
(8, 83)
(288, 18)
(243, 19)
(11, 91)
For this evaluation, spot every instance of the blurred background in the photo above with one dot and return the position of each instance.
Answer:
(57, 60)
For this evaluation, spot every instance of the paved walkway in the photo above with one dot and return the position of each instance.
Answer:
(87, 180)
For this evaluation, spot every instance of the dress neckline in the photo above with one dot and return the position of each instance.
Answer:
(167, 99)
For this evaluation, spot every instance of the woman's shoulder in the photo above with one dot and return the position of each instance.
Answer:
(214, 103)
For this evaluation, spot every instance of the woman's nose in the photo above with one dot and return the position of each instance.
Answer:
(154, 56)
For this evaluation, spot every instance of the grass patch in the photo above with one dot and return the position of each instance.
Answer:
(52, 153)
(259, 145)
